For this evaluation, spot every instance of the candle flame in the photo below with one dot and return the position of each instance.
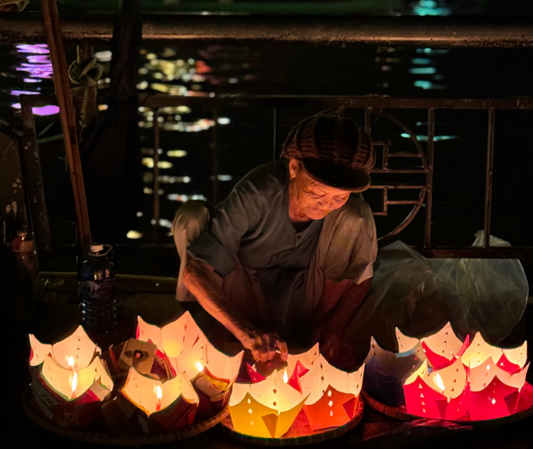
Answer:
(438, 381)
(285, 376)
(73, 382)
(158, 392)
(70, 361)
(199, 366)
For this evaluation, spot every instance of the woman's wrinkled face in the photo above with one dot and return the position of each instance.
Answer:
(310, 199)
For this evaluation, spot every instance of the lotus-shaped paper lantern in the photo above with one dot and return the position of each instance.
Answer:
(332, 394)
(77, 346)
(189, 351)
(265, 409)
(70, 380)
(437, 394)
(386, 371)
(157, 406)
(497, 377)
(466, 381)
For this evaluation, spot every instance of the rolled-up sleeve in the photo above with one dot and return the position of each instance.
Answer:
(234, 217)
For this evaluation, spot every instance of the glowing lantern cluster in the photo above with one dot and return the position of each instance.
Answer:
(464, 380)
(70, 380)
(188, 351)
(268, 406)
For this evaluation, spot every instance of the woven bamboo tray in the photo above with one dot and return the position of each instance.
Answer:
(299, 433)
(118, 440)
(524, 409)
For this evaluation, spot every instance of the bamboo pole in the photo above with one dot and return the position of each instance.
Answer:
(68, 119)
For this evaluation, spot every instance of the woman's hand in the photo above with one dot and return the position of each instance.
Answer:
(264, 345)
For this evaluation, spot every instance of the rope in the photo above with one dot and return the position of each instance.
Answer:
(87, 74)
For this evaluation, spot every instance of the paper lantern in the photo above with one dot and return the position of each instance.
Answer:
(77, 345)
(443, 347)
(439, 393)
(497, 376)
(386, 371)
(494, 378)
(157, 406)
(70, 380)
(172, 339)
(265, 409)
(331, 394)
(510, 360)
(189, 351)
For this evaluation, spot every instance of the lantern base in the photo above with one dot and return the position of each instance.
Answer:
(299, 433)
(100, 435)
(524, 409)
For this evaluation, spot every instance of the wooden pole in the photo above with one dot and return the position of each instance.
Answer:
(68, 119)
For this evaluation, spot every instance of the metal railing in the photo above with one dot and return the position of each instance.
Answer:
(371, 105)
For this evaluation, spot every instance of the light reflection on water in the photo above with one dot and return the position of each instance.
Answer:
(33, 61)
(208, 72)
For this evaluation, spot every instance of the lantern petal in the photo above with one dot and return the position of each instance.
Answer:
(405, 343)
(306, 359)
(443, 344)
(517, 356)
(271, 423)
(479, 352)
(180, 334)
(39, 351)
(77, 345)
(149, 332)
(247, 414)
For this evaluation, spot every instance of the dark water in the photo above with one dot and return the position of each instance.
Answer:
(246, 134)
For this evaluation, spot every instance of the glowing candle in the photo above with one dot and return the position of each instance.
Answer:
(285, 376)
(199, 366)
(439, 382)
(159, 393)
(73, 379)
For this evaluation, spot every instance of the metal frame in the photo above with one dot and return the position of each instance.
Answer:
(371, 105)
(375, 105)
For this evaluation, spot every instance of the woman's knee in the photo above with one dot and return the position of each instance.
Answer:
(194, 212)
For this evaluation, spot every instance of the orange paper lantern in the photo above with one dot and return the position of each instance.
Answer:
(330, 395)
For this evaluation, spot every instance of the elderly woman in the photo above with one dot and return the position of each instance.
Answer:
(288, 255)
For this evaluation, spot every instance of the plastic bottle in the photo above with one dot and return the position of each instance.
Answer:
(98, 302)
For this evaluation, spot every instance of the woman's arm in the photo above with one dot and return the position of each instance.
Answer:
(202, 282)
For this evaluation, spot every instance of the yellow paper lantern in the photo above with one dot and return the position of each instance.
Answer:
(151, 395)
(185, 345)
(70, 382)
(266, 409)
(77, 347)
